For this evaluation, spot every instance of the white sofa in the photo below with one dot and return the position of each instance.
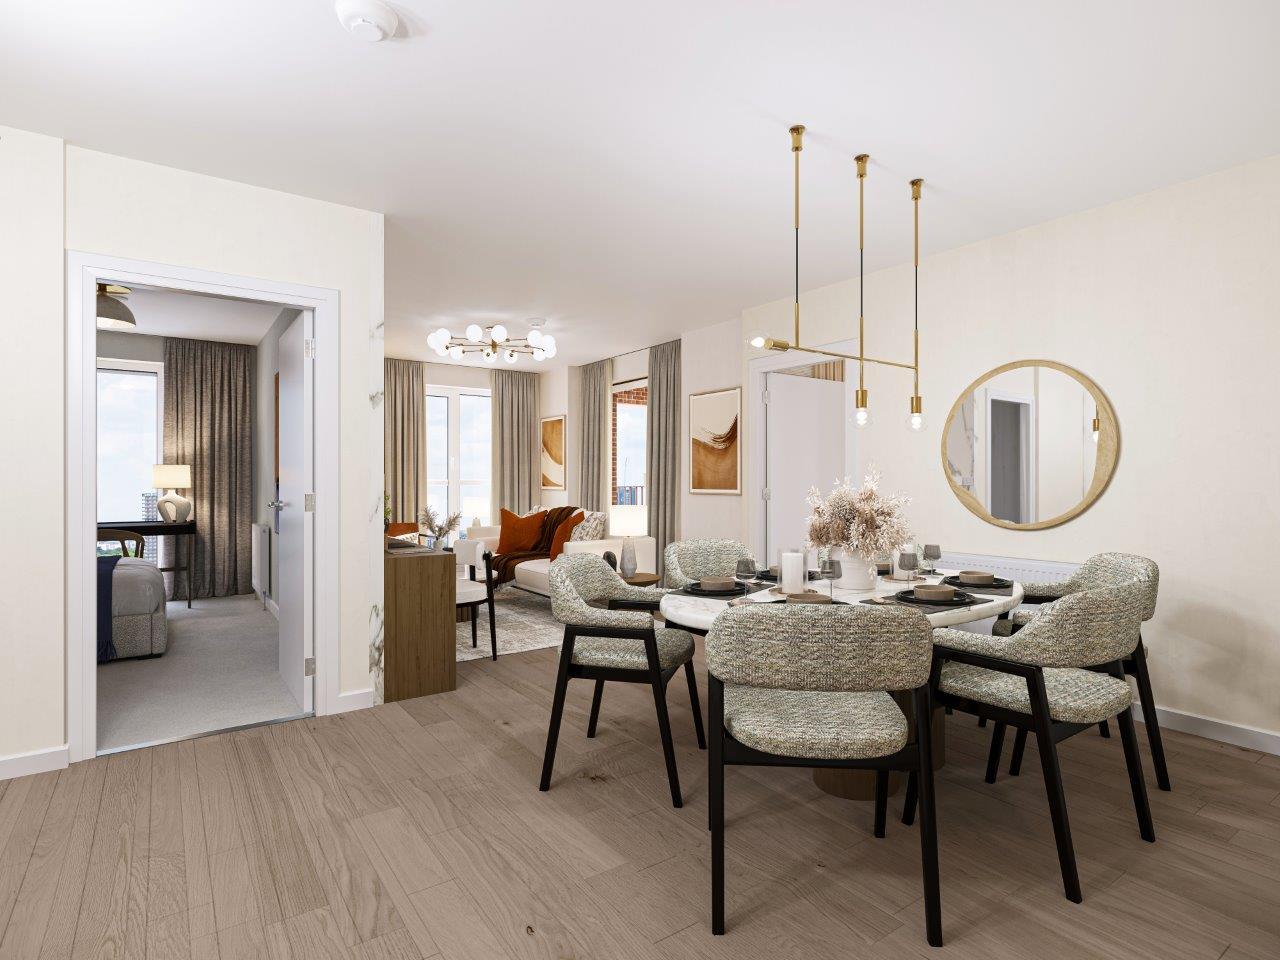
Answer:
(534, 575)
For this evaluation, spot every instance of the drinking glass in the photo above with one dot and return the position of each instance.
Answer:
(908, 561)
(932, 554)
(745, 572)
(829, 570)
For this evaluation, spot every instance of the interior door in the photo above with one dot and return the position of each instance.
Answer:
(804, 447)
(295, 522)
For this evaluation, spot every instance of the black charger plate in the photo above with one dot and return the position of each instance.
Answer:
(1000, 583)
(736, 590)
(959, 600)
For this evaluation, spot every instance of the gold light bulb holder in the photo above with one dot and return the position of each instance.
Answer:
(771, 344)
(861, 160)
(797, 138)
(860, 399)
(917, 405)
(1097, 425)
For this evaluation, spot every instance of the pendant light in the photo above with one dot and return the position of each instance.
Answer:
(915, 419)
(112, 312)
(861, 410)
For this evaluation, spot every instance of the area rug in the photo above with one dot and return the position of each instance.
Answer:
(524, 622)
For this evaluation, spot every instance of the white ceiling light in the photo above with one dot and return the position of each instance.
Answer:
(494, 342)
(368, 20)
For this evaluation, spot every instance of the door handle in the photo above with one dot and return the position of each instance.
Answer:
(276, 505)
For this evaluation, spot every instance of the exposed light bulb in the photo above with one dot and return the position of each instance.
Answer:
(1094, 436)
(758, 342)
(861, 417)
(455, 352)
(443, 336)
(549, 346)
(539, 354)
(534, 338)
(475, 333)
(499, 333)
(916, 422)
(509, 356)
(440, 349)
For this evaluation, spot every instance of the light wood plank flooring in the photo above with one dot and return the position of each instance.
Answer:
(415, 830)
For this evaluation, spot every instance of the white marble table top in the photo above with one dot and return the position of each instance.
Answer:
(698, 613)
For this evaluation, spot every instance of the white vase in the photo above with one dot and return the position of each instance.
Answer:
(856, 572)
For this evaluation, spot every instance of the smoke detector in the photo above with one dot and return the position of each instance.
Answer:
(368, 20)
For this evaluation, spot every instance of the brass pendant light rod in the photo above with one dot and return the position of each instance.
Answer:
(797, 144)
(860, 398)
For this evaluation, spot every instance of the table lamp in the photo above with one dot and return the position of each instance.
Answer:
(173, 477)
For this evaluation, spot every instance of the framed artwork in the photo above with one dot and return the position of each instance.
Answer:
(553, 453)
(715, 453)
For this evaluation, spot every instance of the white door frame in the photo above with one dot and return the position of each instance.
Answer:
(84, 271)
(1029, 481)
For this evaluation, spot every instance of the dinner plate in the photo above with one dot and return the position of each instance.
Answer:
(736, 590)
(1000, 583)
(960, 600)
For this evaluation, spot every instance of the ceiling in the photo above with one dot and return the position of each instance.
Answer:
(624, 170)
(199, 316)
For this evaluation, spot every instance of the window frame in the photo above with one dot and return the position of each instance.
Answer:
(121, 365)
(453, 457)
(626, 519)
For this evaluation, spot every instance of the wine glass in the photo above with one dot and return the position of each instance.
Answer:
(829, 570)
(745, 571)
(932, 554)
(908, 561)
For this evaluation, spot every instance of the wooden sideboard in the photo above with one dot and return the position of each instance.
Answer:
(419, 656)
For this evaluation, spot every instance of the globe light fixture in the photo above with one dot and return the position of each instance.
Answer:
(493, 342)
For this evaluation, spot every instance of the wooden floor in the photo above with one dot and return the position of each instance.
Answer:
(415, 830)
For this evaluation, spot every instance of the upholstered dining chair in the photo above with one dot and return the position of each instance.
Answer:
(809, 686)
(686, 561)
(1102, 570)
(1061, 674)
(610, 634)
(473, 594)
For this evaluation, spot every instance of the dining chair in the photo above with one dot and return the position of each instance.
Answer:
(1061, 674)
(610, 634)
(125, 538)
(472, 594)
(811, 686)
(1102, 570)
(687, 561)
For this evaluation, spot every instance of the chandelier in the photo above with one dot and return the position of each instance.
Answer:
(862, 409)
(494, 341)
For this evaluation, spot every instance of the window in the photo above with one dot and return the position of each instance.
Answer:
(130, 441)
(630, 409)
(459, 451)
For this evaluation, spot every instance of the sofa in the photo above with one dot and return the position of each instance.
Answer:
(535, 575)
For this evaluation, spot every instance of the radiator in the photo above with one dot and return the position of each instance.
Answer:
(1012, 568)
(260, 560)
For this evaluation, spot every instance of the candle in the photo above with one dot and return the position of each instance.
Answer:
(793, 574)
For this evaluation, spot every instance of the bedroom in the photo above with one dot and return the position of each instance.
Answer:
(187, 422)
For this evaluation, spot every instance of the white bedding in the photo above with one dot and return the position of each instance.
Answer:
(137, 587)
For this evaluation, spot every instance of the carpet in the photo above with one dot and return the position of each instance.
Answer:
(523, 621)
(220, 671)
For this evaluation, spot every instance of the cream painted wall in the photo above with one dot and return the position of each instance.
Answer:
(710, 359)
(454, 375)
(1168, 300)
(32, 417)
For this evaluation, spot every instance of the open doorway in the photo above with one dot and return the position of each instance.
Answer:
(197, 480)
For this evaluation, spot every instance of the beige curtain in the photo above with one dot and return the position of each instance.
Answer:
(593, 470)
(404, 437)
(517, 450)
(662, 445)
(208, 424)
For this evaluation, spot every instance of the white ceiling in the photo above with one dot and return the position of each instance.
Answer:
(623, 170)
(198, 316)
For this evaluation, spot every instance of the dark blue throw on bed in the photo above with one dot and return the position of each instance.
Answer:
(106, 570)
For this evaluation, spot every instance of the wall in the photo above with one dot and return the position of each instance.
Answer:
(455, 375)
(130, 346)
(710, 359)
(32, 417)
(264, 437)
(1167, 300)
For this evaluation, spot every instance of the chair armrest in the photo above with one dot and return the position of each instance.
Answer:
(470, 552)
(942, 654)
(625, 603)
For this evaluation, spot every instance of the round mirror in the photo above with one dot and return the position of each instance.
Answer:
(1030, 445)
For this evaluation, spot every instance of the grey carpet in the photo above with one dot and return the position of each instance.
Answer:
(523, 620)
(219, 671)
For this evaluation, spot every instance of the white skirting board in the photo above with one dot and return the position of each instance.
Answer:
(1236, 734)
(354, 700)
(273, 608)
(35, 761)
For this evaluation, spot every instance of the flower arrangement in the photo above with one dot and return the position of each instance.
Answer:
(862, 520)
(436, 527)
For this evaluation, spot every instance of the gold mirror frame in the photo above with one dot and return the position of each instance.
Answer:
(1108, 452)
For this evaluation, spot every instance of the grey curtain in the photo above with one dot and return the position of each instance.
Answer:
(517, 450)
(662, 445)
(593, 468)
(404, 437)
(208, 423)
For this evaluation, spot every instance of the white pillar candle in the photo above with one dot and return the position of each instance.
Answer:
(793, 575)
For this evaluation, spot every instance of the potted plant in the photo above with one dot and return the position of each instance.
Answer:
(436, 529)
(856, 523)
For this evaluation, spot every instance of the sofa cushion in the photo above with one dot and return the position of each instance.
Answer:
(591, 527)
(535, 575)
(563, 532)
(519, 533)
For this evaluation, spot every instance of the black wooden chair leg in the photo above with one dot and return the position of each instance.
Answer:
(557, 711)
(982, 721)
(909, 803)
(1137, 782)
(715, 806)
(1104, 729)
(997, 747)
(928, 822)
(882, 801)
(595, 708)
(693, 702)
(1019, 748)
(473, 611)
(664, 730)
(1053, 788)
(493, 632)
(1149, 718)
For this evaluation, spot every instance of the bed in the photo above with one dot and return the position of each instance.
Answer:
(132, 590)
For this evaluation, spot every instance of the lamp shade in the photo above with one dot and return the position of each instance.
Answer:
(171, 476)
(114, 315)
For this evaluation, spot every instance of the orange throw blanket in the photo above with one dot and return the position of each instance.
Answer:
(504, 564)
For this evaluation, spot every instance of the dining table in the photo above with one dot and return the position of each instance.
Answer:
(697, 614)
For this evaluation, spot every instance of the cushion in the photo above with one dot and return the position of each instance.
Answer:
(534, 575)
(591, 527)
(519, 533)
(675, 647)
(471, 591)
(817, 725)
(1075, 695)
(563, 532)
